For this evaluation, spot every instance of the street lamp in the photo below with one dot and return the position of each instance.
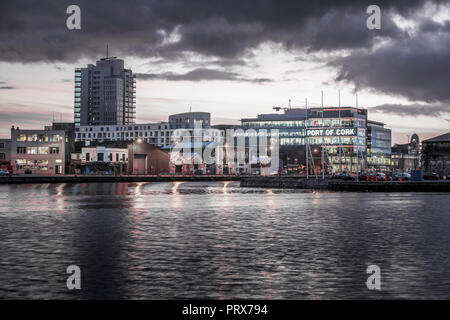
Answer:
(139, 140)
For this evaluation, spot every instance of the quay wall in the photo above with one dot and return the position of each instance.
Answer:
(340, 185)
(106, 178)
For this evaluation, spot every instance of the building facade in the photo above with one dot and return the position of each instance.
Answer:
(104, 94)
(436, 155)
(40, 152)
(69, 129)
(100, 159)
(406, 157)
(188, 120)
(146, 159)
(378, 146)
(157, 134)
(5, 153)
(336, 135)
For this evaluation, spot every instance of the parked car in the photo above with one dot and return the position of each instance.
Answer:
(430, 176)
(362, 176)
(373, 176)
(4, 172)
(404, 176)
(343, 176)
(380, 176)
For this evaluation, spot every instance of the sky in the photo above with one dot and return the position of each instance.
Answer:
(234, 59)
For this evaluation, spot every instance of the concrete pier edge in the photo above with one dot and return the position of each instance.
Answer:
(109, 179)
(276, 182)
(270, 182)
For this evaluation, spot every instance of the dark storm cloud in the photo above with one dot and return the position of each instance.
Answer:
(199, 74)
(416, 66)
(413, 110)
(222, 33)
(33, 31)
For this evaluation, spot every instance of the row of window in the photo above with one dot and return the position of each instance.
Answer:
(38, 150)
(27, 164)
(38, 137)
(324, 140)
(101, 157)
(129, 128)
(334, 123)
(122, 134)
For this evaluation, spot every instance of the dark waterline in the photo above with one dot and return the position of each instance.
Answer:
(216, 240)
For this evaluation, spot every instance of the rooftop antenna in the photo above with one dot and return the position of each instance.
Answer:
(339, 94)
(356, 100)
(289, 103)
(107, 51)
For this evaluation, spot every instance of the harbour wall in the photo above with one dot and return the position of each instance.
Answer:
(284, 182)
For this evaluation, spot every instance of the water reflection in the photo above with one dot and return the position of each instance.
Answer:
(216, 240)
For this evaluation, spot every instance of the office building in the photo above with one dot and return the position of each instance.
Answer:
(406, 157)
(5, 153)
(378, 146)
(41, 152)
(188, 120)
(336, 135)
(436, 155)
(157, 134)
(69, 129)
(105, 94)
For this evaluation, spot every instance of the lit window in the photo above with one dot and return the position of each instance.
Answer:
(43, 150)
(31, 150)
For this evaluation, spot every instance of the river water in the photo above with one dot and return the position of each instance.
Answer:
(215, 240)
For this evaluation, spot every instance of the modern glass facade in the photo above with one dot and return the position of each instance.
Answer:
(378, 147)
(336, 134)
(77, 97)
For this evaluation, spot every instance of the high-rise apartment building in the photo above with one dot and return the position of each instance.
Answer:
(105, 94)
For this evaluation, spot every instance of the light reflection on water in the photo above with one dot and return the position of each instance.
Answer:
(216, 240)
